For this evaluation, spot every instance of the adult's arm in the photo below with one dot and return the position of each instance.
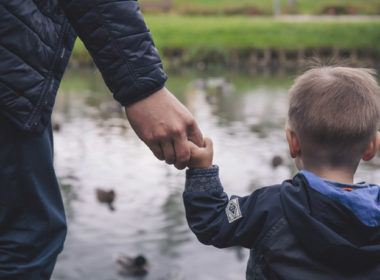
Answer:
(115, 34)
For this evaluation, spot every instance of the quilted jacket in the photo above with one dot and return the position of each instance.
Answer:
(36, 40)
(306, 228)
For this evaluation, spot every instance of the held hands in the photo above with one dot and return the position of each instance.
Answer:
(201, 157)
(165, 125)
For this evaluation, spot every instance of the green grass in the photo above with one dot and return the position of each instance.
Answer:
(197, 35)
(242, 32)
(266, 6)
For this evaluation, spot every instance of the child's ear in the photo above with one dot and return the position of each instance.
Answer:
(372, 148)
(294, 143)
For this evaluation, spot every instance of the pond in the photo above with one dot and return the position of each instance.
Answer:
(244, 113)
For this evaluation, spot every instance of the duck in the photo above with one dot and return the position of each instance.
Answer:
(277, 161)
(132, 266)
(108, 197)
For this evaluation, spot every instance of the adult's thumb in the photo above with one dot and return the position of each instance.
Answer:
(194, 134)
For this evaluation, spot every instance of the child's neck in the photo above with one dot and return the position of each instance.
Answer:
(338, 175)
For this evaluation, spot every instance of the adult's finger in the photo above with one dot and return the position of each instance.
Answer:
(182, 152)
(169, 152)
(157, 150)
(194, 134)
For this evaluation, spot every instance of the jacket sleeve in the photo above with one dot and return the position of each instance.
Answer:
(222, 222)
(115, 34)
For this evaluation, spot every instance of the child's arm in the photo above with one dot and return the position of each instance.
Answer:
(217, 220)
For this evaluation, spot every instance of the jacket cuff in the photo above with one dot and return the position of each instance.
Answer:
(203, 179)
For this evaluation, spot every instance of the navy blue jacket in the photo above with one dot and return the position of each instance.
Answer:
(305, 228)
(36, 40)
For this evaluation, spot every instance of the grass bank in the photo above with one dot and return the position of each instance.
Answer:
(242, 32)
(263, 7)
(196, 38)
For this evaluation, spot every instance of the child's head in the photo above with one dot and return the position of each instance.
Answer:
(333, 116)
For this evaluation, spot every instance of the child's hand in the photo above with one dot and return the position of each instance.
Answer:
(201, 157)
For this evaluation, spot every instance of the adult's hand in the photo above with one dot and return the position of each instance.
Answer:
(165, 125)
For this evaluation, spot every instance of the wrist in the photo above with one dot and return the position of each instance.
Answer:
(200, 164)
(204, 166)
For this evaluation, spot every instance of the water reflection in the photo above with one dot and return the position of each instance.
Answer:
(69, 194)
(96, 148)
(174, 227)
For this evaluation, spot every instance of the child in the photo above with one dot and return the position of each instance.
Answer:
(318, 225)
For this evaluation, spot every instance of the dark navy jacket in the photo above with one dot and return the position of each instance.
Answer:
(305, 228)
(36, 39)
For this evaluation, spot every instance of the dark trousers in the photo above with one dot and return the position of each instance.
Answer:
(32, 218)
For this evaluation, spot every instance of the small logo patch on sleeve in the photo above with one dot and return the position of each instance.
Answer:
(233, 210)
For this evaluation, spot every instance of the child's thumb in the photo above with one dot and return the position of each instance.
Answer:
(208, 143)
(194, 149)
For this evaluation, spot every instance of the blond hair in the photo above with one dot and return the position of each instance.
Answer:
(337, 110)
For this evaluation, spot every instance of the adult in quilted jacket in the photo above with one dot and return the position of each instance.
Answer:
(36, 39)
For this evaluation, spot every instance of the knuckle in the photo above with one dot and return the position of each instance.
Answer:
(161, 135)
(176, 131)
(158, 136)
(190, 122)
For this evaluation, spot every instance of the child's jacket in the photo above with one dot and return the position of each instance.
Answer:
(305, 228)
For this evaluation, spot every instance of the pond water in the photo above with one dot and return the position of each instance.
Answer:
(244, 114)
